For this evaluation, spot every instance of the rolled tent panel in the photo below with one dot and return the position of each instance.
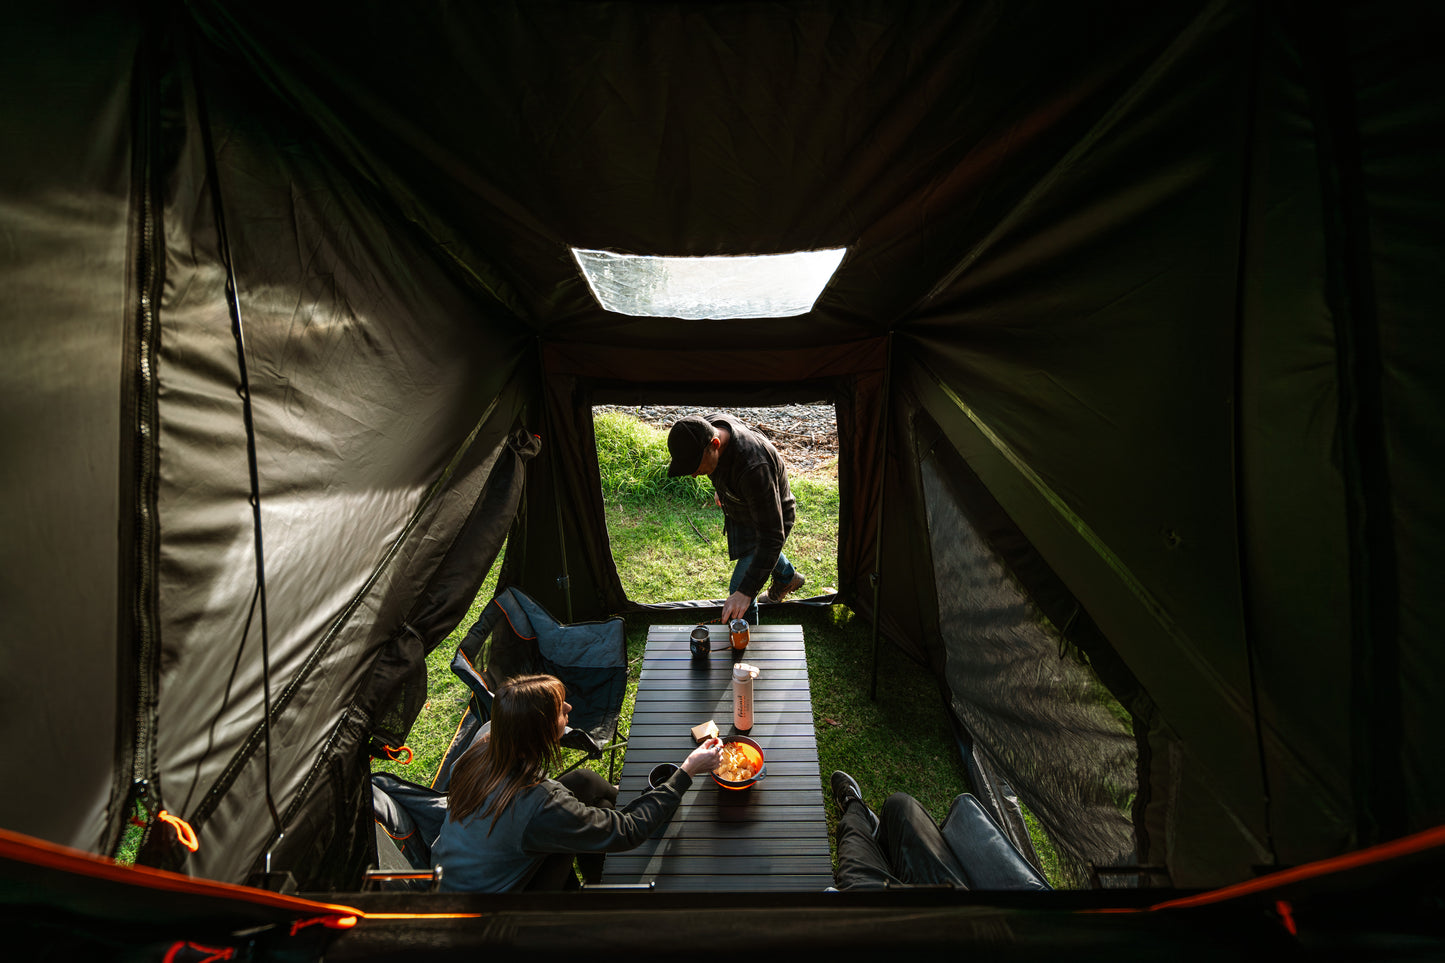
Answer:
(69, 291)
(361, 356)
(1035, 710)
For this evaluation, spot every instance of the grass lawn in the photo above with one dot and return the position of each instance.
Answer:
(667, 542)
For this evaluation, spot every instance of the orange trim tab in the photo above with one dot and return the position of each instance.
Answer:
(184, 832)
(330, 922)
(1286, 916)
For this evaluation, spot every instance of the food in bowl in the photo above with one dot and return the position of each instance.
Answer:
(735, 766)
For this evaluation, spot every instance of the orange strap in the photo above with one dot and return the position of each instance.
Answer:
(394, 754)
(330, 922)
(183, 829)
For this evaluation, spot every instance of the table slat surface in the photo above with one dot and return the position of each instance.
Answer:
(770, 838)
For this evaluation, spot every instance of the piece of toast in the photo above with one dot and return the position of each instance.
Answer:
(708, 730)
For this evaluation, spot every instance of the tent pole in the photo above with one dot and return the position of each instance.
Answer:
(877, 577)
(564, 581)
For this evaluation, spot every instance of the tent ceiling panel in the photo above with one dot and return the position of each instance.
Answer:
(702, 129)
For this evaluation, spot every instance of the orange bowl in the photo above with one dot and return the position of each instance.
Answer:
(754, 754)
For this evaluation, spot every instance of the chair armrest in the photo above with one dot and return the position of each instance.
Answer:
(581, 740)
(989, 859)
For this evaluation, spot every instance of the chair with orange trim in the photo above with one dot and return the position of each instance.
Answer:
(516, 635)
(589, 657)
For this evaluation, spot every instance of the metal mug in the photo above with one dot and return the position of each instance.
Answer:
(739, 630)
(699, 642)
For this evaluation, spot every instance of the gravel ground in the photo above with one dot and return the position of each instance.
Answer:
(805, 435)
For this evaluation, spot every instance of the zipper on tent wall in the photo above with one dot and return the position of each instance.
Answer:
(877, 575)
(138, 645)
(564, 581)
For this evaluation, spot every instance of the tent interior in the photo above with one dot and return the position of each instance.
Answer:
(1129, 348)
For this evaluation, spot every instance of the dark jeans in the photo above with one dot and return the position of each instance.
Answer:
(556, 870)
(908, 849)
(783, 571)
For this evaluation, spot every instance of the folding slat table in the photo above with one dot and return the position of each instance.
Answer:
(773, 836)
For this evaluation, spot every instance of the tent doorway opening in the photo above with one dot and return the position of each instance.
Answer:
(666, 534)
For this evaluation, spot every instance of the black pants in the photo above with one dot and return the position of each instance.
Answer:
(556, 870)
(908, 849)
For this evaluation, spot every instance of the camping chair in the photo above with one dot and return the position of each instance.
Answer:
(589, 657)
(409, 818)
(989, 860)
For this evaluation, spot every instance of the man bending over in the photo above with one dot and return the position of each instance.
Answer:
(751, 485)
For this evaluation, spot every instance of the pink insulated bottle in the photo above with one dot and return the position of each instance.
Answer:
(743, 676)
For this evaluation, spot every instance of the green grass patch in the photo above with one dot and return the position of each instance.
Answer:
(667, 534)
(632, 458)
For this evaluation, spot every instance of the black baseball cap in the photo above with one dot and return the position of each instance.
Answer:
(686, 442)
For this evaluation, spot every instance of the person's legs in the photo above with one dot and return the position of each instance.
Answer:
(554, 874)
(917, 851)
(556, 871)
(783, 573)
(862, 863)
(593, 790)
(785, 580)
(739, 570)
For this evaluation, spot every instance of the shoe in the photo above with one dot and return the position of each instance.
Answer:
(845, 790)
(778, 591)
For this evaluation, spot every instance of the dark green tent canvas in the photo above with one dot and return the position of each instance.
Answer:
(1130, 348)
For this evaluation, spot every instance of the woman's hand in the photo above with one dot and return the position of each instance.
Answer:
(704, 758)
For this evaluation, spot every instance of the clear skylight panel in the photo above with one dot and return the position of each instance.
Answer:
(719, 288)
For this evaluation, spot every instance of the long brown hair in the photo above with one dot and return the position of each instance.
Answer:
(521, 748)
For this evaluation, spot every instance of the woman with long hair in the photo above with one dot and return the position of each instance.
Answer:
(510, 827)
